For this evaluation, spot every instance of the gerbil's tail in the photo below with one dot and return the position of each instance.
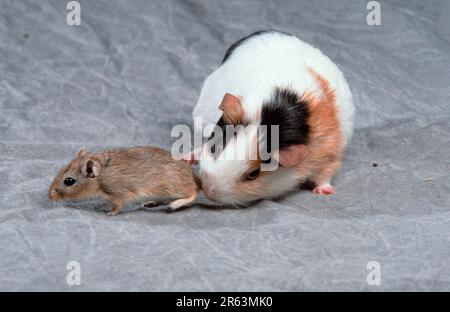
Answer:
(198, 181)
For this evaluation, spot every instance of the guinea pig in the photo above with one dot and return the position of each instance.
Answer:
(274, 78)
(126, 175)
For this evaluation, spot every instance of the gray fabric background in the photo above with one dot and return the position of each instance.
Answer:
(133, 69)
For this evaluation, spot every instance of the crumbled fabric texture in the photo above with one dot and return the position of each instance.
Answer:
(134, 69)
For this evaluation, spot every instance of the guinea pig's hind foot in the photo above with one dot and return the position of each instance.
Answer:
(176, 204)
(324, 189)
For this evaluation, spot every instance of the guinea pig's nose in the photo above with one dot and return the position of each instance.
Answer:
(211, 193)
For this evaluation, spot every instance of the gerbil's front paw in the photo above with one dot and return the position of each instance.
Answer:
(111, 213)
(324, 189)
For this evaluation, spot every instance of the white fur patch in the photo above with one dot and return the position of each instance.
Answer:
(252, 72)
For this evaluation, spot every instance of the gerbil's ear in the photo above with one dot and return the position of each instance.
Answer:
(81, 153)
(232, 109)
(91, 168)
(292, 156)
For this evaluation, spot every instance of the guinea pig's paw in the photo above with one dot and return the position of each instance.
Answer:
(111, 213)
(324, 189)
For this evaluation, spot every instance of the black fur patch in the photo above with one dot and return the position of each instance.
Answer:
(286, 109)
(214, 142)
(222, 125)
(235, 45)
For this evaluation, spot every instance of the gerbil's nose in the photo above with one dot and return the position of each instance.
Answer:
(54, 194)
(211, 193)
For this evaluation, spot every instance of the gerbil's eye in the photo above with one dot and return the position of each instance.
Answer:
(69, 181)
(253, 175)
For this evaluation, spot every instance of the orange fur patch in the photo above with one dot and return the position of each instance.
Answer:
(254, 187)
(326, 136)
(325, 145)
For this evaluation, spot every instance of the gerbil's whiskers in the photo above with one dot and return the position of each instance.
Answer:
(70, 204)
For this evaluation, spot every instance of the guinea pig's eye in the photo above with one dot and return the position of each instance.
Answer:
(253, 175)
(69, 181)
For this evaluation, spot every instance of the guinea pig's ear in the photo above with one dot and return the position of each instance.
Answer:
(81, 153)
(90, 168)
(291, 156)
(232, 109)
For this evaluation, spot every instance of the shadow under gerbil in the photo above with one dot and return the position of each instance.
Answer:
(202, 202)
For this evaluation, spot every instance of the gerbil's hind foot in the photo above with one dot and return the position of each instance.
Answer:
(151, 203)
(176, 204)
(324, 189)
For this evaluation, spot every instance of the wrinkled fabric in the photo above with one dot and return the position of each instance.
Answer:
(134, 69)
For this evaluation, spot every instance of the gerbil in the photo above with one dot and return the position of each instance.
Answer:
(273, 78)
(126, 175)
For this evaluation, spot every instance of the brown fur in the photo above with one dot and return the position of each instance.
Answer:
(325, 147)
(126, 175)
(255, 188)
